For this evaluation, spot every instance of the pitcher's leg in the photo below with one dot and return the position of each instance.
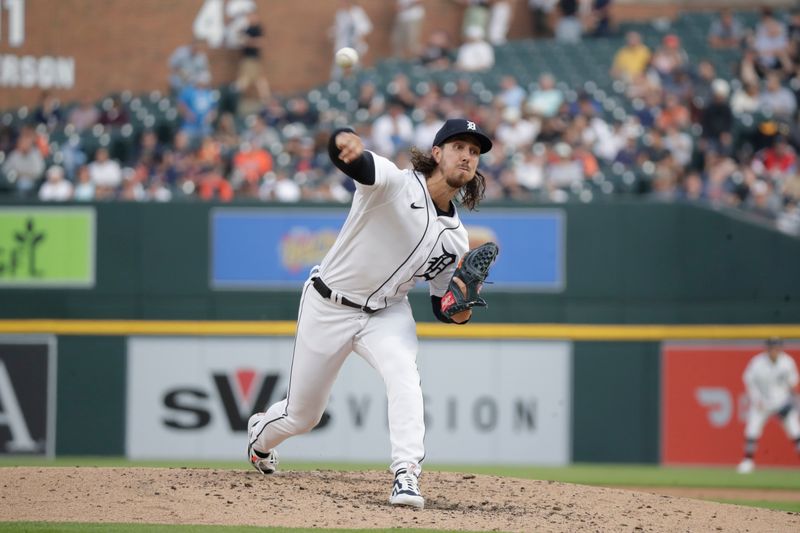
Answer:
(389, 343)
(322, 342)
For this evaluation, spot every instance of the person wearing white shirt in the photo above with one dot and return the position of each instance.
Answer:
(771, 381)
(409, 16)
(56, 188)
(104, 171)
(476, 54)
(392, 131)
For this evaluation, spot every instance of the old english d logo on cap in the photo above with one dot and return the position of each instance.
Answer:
(460, 126)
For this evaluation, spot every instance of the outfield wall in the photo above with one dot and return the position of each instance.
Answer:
(488, 401)
(601, 263)
(604, 285)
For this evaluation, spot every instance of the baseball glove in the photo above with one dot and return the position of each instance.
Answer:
(472, 270)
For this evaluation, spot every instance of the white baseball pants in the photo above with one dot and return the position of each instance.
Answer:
(327, 333)
(756, 419)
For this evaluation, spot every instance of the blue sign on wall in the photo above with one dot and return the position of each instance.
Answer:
(257, 249)
(532, 246)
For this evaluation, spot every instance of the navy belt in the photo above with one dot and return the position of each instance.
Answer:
(326, 292)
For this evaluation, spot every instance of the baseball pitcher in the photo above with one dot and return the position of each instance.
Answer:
(402, 228)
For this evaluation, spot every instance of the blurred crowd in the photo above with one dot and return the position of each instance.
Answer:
(692, 133)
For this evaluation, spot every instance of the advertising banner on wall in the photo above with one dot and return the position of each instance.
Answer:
(27, 395)
(704, 406)
(485, 401)
(42, 247)
(256, 249)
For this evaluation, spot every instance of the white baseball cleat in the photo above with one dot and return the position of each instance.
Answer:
(264, 462)
(405, 490)
(746, 466)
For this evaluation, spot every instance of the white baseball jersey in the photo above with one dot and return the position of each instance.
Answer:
(771, 383)
(399, 210)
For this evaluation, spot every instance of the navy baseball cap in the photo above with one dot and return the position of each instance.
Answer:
(461, 126)
(774, 341)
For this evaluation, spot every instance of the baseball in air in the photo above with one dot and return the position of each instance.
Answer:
(346, 57)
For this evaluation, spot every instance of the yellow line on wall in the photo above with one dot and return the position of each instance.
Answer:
(575, 332)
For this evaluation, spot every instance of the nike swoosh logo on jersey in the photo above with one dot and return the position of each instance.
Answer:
(415, 206)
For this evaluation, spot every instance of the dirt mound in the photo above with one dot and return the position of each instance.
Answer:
(356, 500)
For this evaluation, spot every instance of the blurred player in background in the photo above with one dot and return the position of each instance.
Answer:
(772, 386)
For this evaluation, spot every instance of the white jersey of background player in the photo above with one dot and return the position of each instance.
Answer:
(402, 228)
(771, 380)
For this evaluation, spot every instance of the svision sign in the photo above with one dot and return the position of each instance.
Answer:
(259, 249)
(47, 248)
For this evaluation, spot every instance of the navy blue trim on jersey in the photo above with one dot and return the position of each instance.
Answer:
(421, 239)
(361, 170)
(291, 367)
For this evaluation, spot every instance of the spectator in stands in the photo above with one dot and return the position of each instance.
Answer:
(425, 131)
(777, 161)
(84, 115)
(251, 68)
(675, 113)
(541, 12)
(370, 100)
(771, 42)
(701, 88)
(438, 51)
(515, 132)
(568, 24)
(105, 174)
(725, 31)
(48, 112)
(84, 188)
(669, 59)
(114, 112)
(407, 30)
(632, 59)
(279, 187)
(188, 64)
(793, 32)
(546, 100)
(476, 14)
(351, 26)
(250, 164)
(777, 99)
(197, 108)
(691, 187)
(598, 21)
(562, 172)
(393, 131)
(24, 165)
(299, 111)
(511, 93)
(149, 151)
(212, 185)
(528, 171)
(55, 188)
(499, 21)
(746, 98)
(72, 156)
(399, 90)
(680, 146)
(475, 54)
(717, 117)
(259, 134)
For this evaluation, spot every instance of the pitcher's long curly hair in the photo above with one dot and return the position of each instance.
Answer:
(470, 194)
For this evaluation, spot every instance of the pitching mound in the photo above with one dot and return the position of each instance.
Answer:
(356, 500)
